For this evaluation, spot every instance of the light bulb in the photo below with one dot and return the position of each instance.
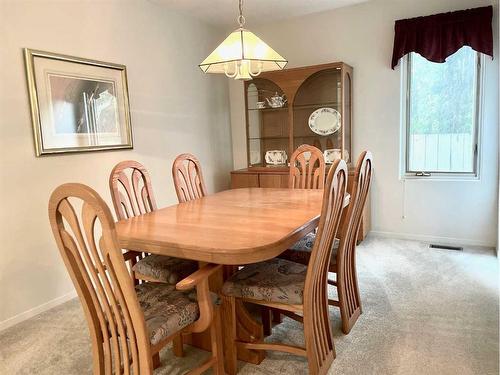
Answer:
(243, 71)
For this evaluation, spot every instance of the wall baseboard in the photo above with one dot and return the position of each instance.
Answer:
(36, 310)
(432, 239)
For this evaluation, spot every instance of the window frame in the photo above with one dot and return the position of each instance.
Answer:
(406, 173)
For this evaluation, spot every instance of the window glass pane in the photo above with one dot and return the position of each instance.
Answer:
(442, 111)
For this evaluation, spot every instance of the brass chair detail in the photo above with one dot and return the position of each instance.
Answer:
(292, 288)
(129, 324)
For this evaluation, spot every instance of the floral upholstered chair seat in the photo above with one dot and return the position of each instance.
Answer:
(167, 310)
(275, 280)
(165, 269)
(300, 251)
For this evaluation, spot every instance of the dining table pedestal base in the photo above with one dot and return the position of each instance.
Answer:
(247, 328)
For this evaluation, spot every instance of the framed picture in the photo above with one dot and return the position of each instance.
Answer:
(77, 104)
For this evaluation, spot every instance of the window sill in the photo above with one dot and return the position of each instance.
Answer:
(441, 177)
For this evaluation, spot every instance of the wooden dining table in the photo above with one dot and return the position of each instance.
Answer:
(232, 228)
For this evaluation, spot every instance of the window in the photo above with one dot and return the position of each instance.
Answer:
(442, 102)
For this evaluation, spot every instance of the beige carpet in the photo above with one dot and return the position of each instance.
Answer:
(426, 311)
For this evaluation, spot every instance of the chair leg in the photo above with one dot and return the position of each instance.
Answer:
(216, 338)
(277, 317)
(348, 292)
(177, 346)
(349, 308)
(228, 313)
(156, 360)
(355, 281)
(266, 320)
(98, 354)
(320, 348)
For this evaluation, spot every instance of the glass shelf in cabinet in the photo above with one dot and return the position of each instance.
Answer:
(314, 136)
(316, 105)
(277, 137)
(266, 109)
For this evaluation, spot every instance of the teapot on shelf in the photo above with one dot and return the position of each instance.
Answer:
(276, 101)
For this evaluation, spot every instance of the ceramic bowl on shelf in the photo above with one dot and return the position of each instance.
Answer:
(276, 157)
(333, 154)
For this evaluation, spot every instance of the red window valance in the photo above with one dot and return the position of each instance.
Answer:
(438, 36)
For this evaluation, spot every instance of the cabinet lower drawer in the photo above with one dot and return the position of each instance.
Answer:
(273, 181)
(242, 180)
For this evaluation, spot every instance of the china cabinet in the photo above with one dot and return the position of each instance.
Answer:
(287, 108)
(310, 105)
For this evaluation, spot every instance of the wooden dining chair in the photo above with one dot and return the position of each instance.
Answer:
(132, 195)
(307, 168)
(297, 289)
(343, 260)
(307, 171)
(129, 324)
(188, 178)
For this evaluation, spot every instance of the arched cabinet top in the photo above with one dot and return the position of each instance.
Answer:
(258, 89)
(290, 80)
(319, 88)
(283, 128)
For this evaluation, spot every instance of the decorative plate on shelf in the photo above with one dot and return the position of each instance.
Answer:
(324, 121)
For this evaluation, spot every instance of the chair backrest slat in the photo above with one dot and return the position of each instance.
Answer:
(315, 288)
(90, 250)
(307, 168)
(131, 190)
(188, 178)
(351, 223)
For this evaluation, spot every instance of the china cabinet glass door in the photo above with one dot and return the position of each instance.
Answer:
(267, 126)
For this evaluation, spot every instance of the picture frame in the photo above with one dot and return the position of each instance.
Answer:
(77, 104)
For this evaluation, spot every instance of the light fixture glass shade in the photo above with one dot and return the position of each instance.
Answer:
(242, 55)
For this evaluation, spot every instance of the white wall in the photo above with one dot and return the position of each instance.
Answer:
(446, 211)
(174, 108)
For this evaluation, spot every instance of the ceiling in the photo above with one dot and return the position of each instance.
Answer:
(223, 13)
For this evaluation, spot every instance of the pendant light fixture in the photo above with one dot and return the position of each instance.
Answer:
(242, 55)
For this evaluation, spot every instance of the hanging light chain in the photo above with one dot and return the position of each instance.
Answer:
(241, 19)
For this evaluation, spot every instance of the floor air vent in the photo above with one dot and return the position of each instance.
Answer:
(445, 247)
